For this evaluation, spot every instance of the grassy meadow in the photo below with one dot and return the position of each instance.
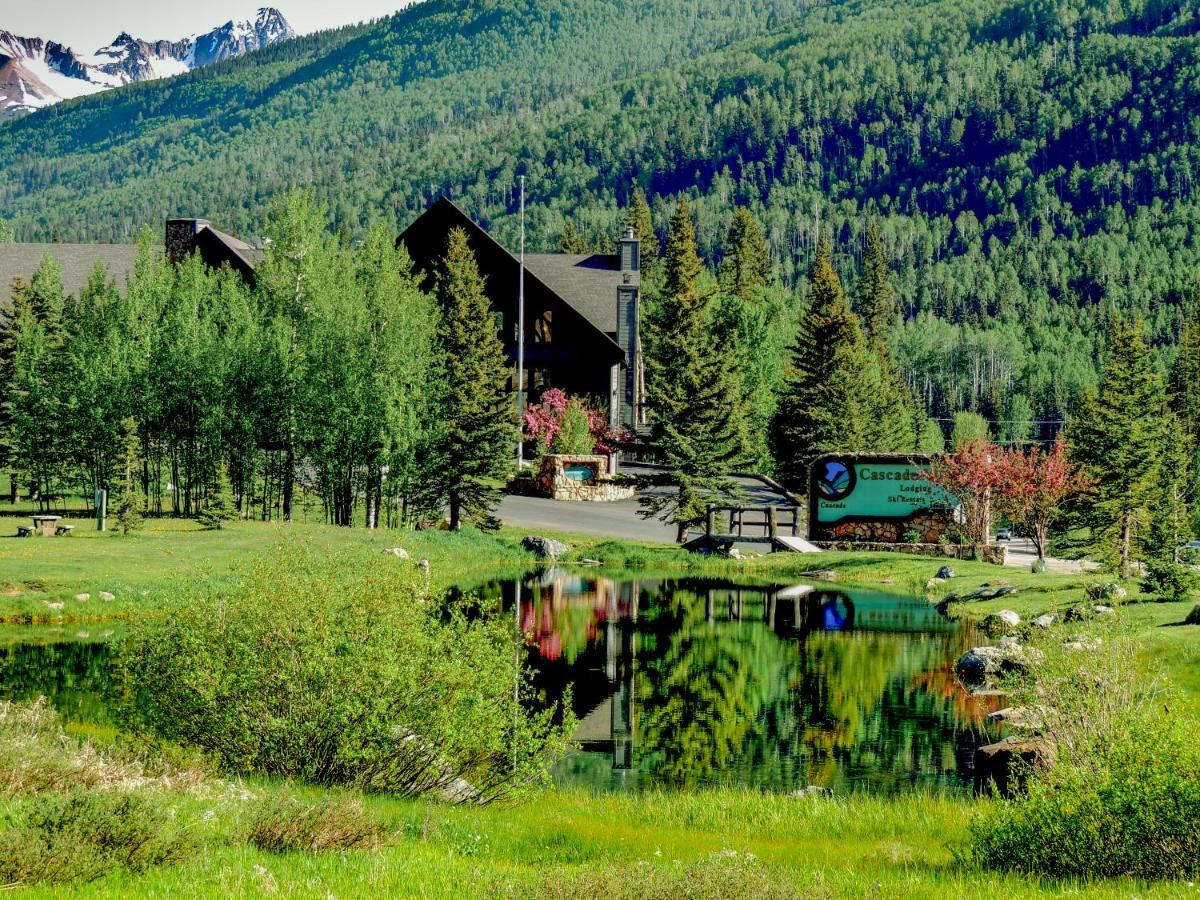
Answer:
(558, 844)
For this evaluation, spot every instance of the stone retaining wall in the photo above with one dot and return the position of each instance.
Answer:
(930, 526)
(996, 554)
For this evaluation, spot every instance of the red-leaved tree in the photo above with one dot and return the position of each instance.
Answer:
(970, 475)
(1033, 486)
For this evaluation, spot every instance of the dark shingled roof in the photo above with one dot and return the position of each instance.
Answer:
(76, 261)
(588, 282)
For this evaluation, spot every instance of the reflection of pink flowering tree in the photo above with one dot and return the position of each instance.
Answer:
(544, 422)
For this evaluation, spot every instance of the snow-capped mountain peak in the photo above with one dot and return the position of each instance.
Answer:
(35, 73)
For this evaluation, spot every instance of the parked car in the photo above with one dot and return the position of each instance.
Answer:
(1004, 534)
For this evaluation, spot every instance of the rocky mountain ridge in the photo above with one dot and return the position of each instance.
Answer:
(36, 73)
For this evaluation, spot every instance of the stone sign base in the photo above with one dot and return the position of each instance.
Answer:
(996, 554)
(581, 478)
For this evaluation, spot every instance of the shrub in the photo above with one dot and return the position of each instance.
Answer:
(285, 825)
(341, 671)
(1122, 797)
(1169, 581)
(1193, 618)
(575, 433)
(85, 835)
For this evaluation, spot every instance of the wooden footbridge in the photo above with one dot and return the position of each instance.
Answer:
(776, 526)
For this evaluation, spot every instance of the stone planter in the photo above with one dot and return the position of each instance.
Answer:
(583, 477)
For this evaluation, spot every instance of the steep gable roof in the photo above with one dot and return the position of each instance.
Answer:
(581, 283)
(75, 260)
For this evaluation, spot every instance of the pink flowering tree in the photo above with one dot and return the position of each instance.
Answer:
(970, 475)
(1033, 486)
(544, 422)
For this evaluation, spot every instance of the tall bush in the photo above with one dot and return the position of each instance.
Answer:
(1122, 797)
(342, 670)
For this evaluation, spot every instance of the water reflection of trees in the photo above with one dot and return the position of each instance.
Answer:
(75, 676)
(760, 686)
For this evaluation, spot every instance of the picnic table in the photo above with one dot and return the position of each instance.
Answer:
(46, 526)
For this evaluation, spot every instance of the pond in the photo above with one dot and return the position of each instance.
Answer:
(685, 682)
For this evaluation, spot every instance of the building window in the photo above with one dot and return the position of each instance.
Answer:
(543, 327)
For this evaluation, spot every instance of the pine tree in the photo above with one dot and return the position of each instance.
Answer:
(746, 268)
(825, 406)
(1185, 392)
(19, 292)
(218, 507)
(876, 295)
(129, 505)
(643, 229)
(1171, 522)
(478, 441)
(698, 411)
(1117, 437)
(572, 241)
(930, 437)
(891, 425)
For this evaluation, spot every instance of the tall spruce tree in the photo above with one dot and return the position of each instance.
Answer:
(640, 217)
(1185, 391)
(1171, 523)
(698, 410)
(746, 268)
(1118, 437)
(478, 438)
(827, 403)
(876, 294)
(19, 293)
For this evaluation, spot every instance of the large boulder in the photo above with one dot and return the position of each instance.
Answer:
(1044, 621)
(545, 548)
(1005, 765)
(1003, 622)
(1107, 590)
(1018, 717)
(980, 664)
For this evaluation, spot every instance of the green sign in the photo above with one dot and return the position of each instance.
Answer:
(873, 490)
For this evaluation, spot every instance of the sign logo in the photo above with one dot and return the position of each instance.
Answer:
(836, 480)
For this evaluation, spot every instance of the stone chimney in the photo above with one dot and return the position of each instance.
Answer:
(631, 251)
(181, 237)
(627, 403)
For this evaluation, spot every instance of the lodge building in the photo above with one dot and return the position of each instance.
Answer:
(582, 311)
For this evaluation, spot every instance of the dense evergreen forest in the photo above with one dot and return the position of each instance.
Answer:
(1030, 165)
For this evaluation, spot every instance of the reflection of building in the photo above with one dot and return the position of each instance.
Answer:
(562, 615)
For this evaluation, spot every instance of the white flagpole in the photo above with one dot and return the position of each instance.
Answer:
(521, 339)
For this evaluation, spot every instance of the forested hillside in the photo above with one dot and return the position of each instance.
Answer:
(1031, 164)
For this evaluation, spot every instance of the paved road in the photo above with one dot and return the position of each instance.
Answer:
(1021, 556)
(621, 520)
(615, 520)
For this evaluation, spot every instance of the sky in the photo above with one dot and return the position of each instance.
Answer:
(86, 25)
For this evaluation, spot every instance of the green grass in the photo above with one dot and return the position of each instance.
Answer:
(717, 844)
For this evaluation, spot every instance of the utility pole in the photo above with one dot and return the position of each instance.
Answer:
(521, 339)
